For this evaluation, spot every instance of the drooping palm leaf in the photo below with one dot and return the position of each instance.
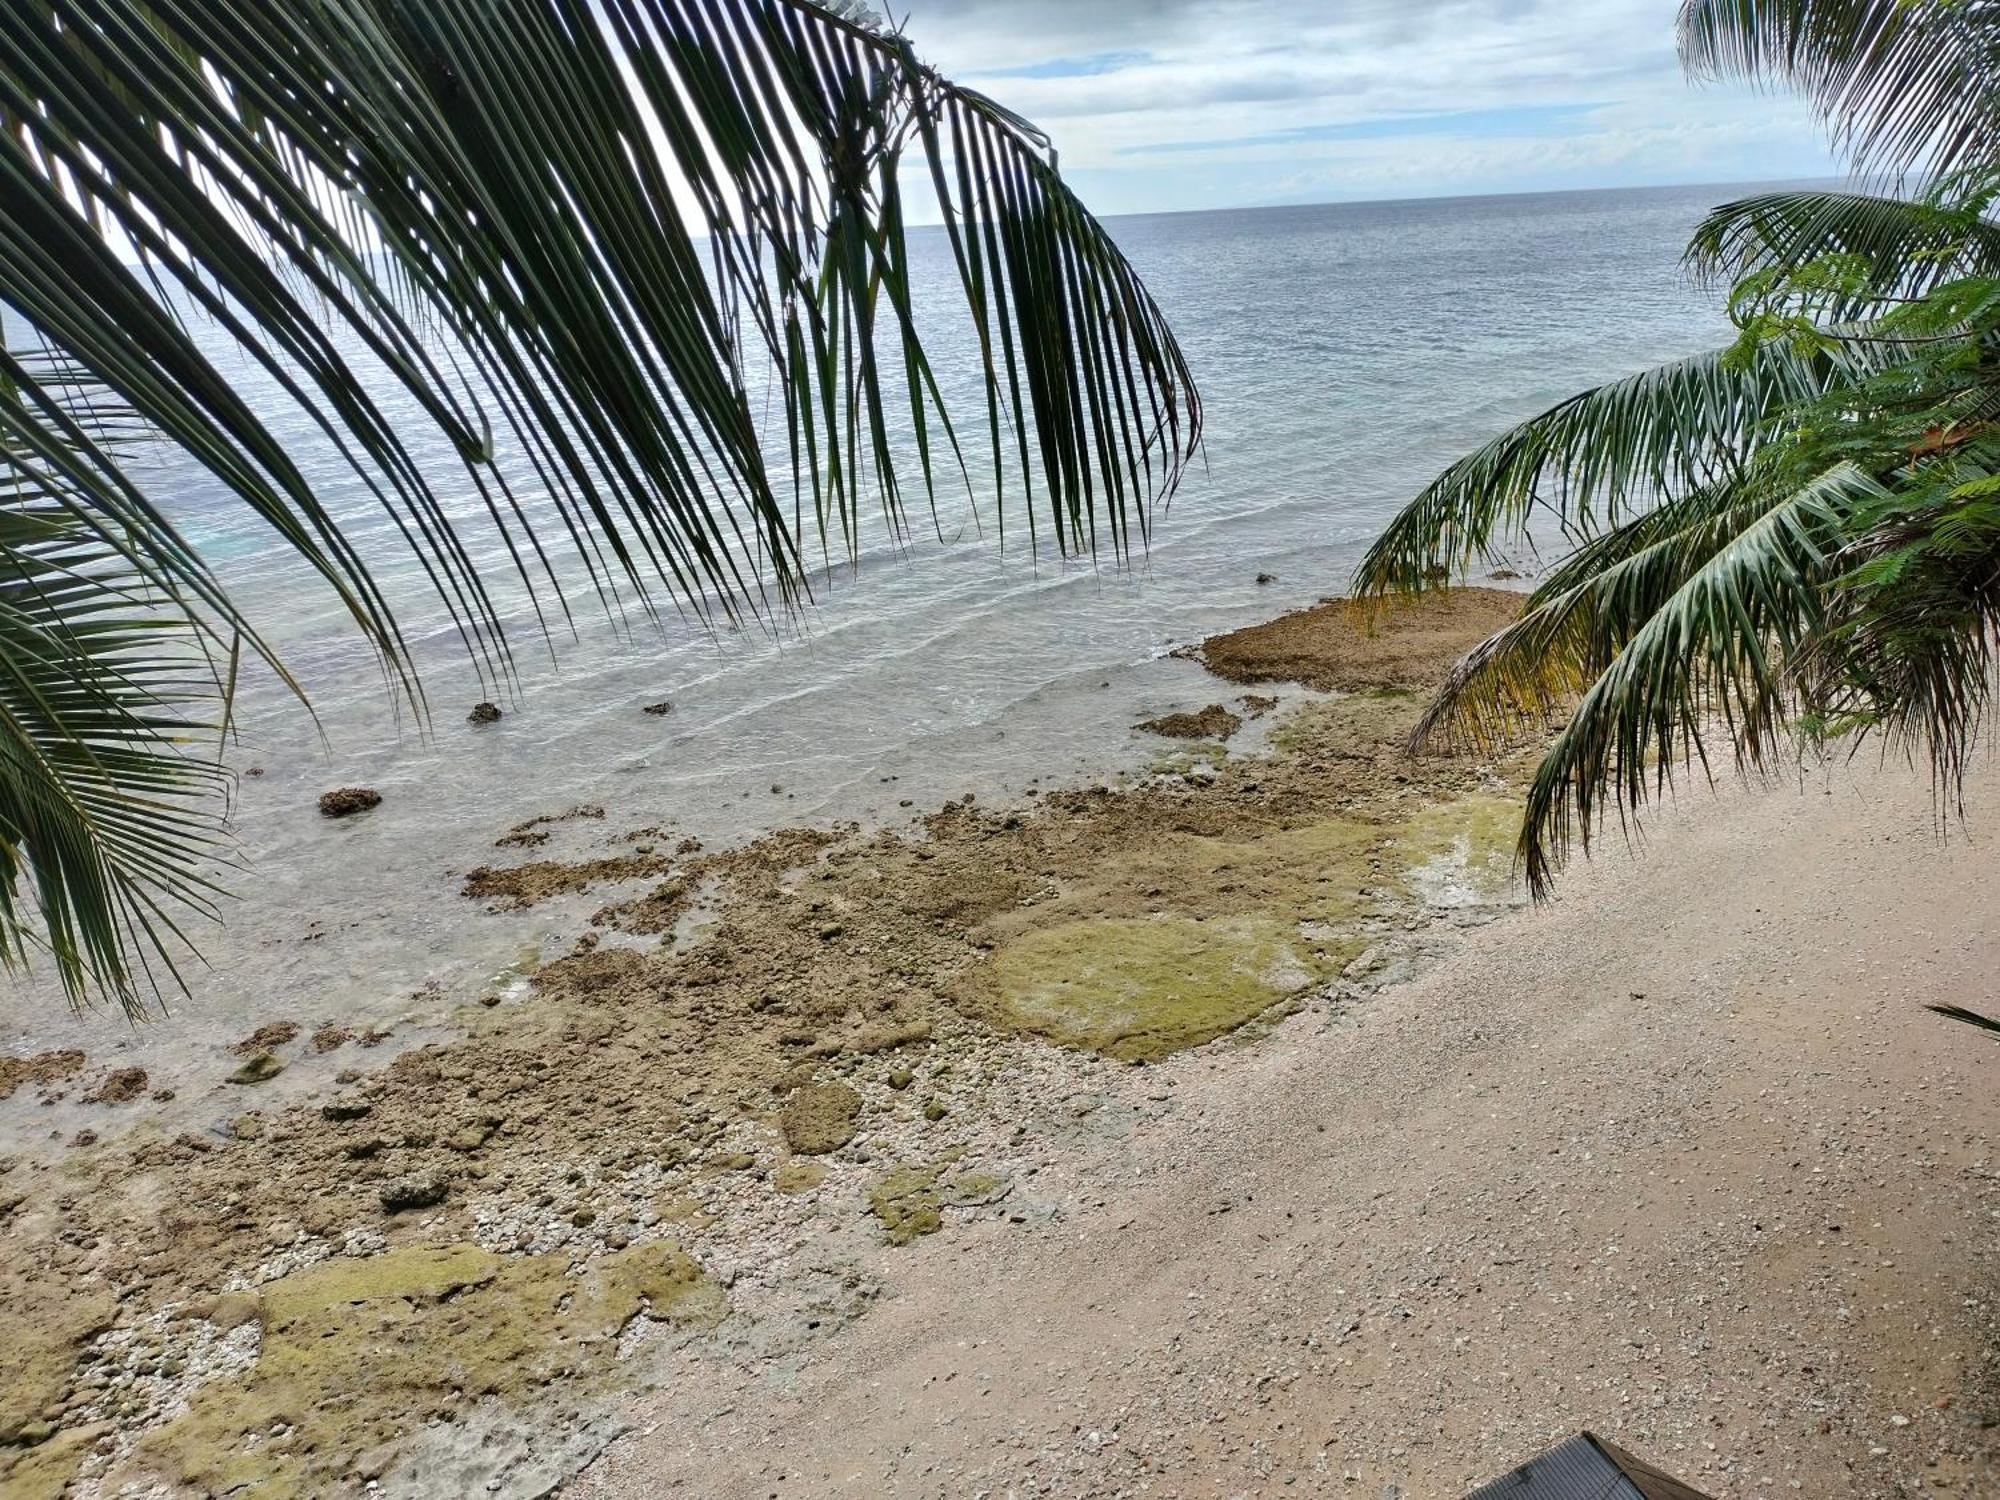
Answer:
(1720, 645)
(645, 266)
(108, 681)
(1898, 248)
(1596, 459)
(1581, 615)
(634, 218)
(1906, 86)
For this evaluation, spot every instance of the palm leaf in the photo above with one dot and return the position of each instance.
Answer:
(1583, 613)
(1900, 248)
(1596, 459)
(644, 265)
(1720, 646)
(1904, 85)
(108, 681)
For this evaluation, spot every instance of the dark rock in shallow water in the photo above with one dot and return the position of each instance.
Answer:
(658, 710)
(258, 1067)
(1267, 577)
(484, 713)
(348, 800)
(1212, 723)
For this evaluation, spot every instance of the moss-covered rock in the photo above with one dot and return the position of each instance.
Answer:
(819, 1118)
(1140, 988)
(907, 1202)
(794, 1177)
(358, 1352)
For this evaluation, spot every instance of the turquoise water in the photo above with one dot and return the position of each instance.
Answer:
(1344, 353)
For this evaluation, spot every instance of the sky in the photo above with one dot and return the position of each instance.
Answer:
(1191, 104)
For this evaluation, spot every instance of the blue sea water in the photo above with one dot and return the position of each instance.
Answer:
(1344, 353)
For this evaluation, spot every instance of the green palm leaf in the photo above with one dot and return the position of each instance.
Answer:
(1583, 613)
(645, 266)
(1720, 646)
(1899, 248)
(1596, 459)
(110, 677)
(1905, 85)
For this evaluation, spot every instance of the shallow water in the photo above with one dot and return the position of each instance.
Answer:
(1344, 353)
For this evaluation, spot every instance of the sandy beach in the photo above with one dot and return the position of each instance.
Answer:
(1234, 1132)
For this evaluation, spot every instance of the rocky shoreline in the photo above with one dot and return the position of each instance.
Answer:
(757, 1072)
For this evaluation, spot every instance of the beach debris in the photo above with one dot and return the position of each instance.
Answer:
(658, 710)
(820, 1117)
(259, 1067)
(346, 801)
(118, 1086)
(484, 713)
(1211, 723)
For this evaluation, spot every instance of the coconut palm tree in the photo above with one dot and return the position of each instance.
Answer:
(644, 265)
(1790, 537)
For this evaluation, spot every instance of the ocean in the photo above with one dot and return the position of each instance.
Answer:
(1344, 353)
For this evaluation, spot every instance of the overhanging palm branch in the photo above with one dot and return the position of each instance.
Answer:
(111, 672)
(1905, 86)
(1723, 644)
(1598, 458)
(1886, 248)
(1579, 617)
(645, 264)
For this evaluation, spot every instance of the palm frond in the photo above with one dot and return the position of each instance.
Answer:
(630, 220)
(1577, 620)
(1719, 647)
(109, 684)
(1596, 459)
(1905, 86)
(1969, 1017)
(1896, 248)
(646, 266)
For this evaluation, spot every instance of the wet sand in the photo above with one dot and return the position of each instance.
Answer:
(770, 1087)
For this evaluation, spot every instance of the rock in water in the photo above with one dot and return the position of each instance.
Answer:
(346, 801)
(484, 713)
(258, 1067)
(658, 710)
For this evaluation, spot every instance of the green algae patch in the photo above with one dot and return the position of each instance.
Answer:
(1460, 853)
(910, 1199)
(1209, 753)
(906, 1200)
(1139, 988)
(358, 1353)
(795, 1177)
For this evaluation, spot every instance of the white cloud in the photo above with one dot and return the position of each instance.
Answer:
(1163, 104)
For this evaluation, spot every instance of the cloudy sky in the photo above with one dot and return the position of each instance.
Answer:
(1187, 104)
